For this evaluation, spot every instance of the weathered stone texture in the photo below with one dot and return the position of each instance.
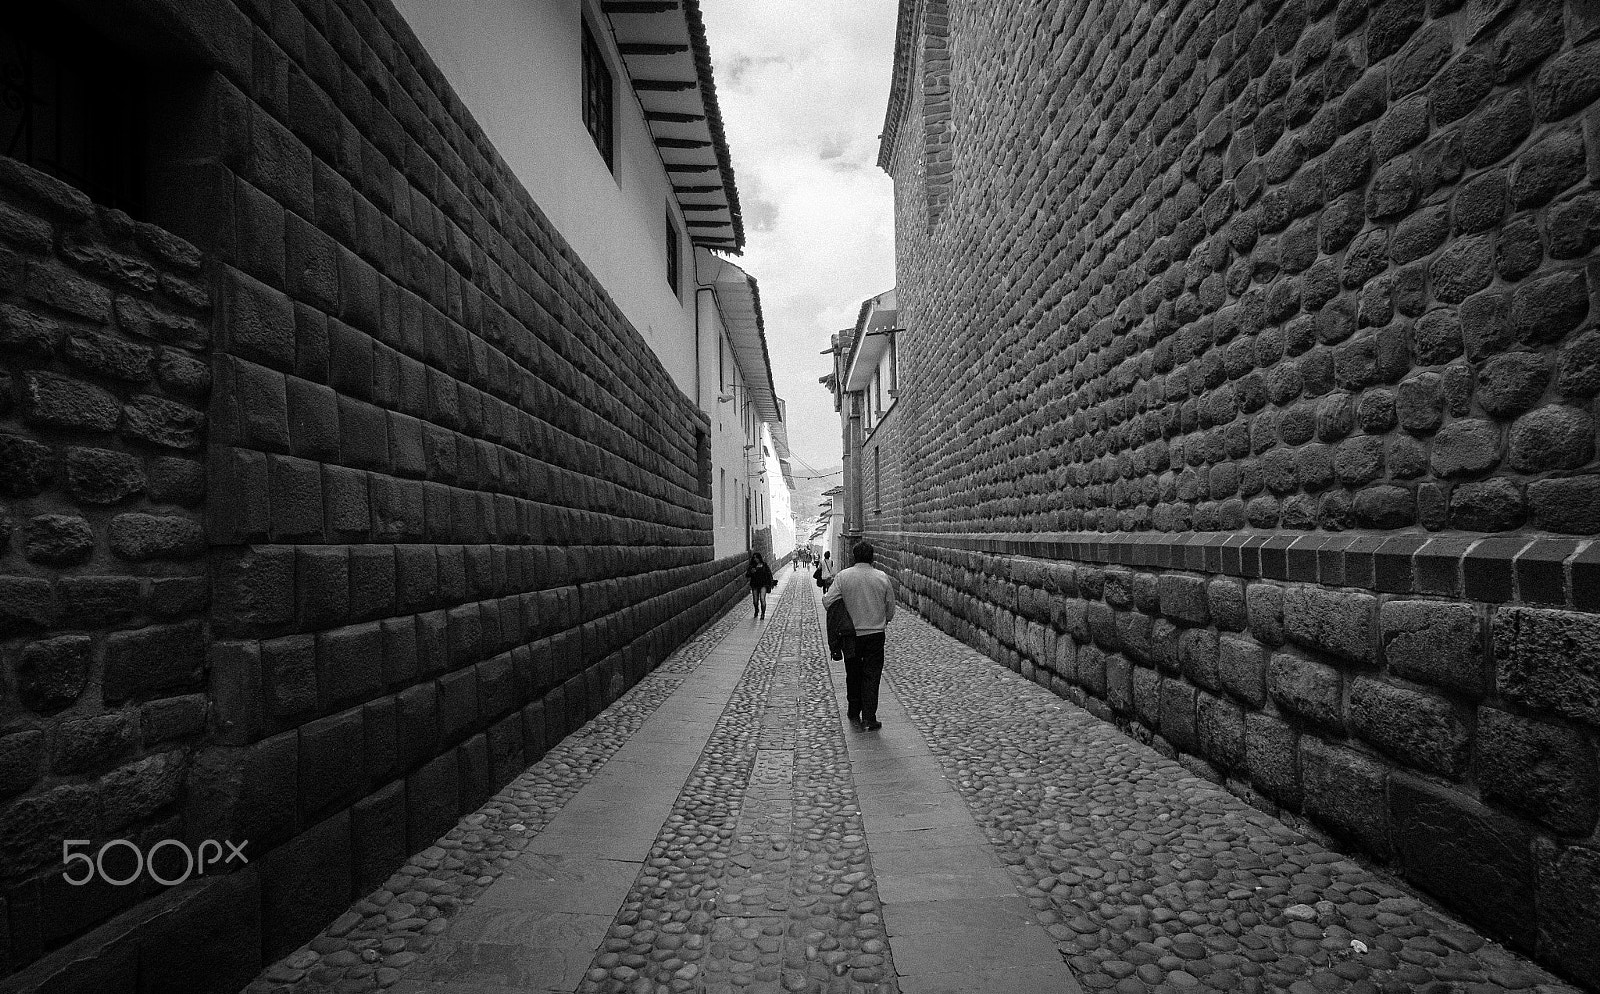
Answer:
(1346, 789)
(1542, 770)
(1480, 861)
(1293, 297)
(332, 519)
(1232, 270)
(1419, 729)
(1318, 701)
(1434, 642)
(1550, 661)
(96, 638)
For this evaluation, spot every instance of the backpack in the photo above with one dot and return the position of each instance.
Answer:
(817, 574)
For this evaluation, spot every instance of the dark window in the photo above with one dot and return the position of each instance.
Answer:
(702, 445)
(71, 106)
(673, 261)
(597, 97)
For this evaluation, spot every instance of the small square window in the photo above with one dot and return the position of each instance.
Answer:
(597, 98)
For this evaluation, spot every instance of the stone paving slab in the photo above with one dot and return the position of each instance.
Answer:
(467, 987)
(577, 884)
(939, 836)
(1005, 915)
(541, 951)
(1014, 980)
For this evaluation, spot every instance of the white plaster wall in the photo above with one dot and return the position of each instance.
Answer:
(727, 432)
(517, 66)
(782, 514)
(833, 539)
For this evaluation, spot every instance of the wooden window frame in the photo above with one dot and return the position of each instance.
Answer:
(674, 255)
(598, 98)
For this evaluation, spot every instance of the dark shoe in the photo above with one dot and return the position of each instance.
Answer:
(871, 726)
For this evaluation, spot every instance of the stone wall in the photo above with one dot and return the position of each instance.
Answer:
(104, 334)
(1314, 275)
(453, 505)
(1297, 267)
(1433, 711)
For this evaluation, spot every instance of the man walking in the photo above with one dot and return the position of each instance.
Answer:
(868, 594)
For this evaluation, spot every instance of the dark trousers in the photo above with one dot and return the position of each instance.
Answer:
(861, 674)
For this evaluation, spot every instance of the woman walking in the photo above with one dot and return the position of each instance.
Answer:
(826, 571)
(760, 577)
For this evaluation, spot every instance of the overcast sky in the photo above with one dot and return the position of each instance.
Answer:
(803, 87)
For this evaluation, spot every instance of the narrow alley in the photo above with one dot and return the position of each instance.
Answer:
(717, 829)
(400, 400)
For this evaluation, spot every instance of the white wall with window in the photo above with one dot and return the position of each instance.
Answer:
(726, 393)
(519, 66)
(608, 119)
(778, 499)
(874, 369)
(736, 386)
(884, 388)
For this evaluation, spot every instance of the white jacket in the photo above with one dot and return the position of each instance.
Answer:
(868, 595)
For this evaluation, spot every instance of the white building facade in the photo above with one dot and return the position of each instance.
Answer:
(781, 508)
(736, 384)
(607, 113)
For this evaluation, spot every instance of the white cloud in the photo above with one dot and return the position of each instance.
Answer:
(803, 88)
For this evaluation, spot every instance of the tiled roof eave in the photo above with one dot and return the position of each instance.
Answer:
(667, 61)
(708, 88)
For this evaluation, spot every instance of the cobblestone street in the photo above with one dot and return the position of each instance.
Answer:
(718, 829)
(400, 399)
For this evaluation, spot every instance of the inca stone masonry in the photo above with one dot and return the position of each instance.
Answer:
(1247, 399)
(331, 494)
